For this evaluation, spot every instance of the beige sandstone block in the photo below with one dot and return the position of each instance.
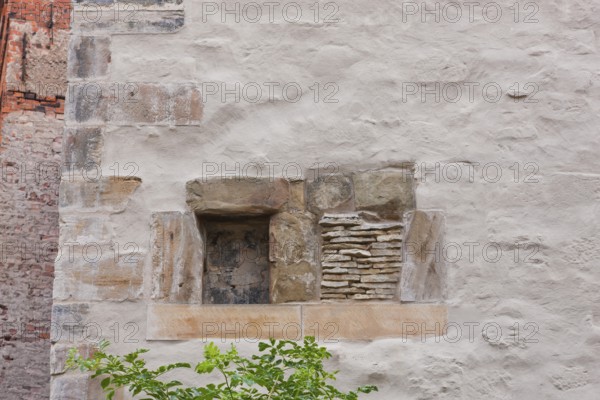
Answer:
(333, 192)
(297, 197)
(177, 258)
(258, 322)
(246, 196)
(389, 193)
(372, 321)
(294, 268)
(424, 271)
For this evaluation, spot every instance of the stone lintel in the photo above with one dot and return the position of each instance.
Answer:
(237, 196)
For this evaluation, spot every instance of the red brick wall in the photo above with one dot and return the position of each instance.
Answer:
(23, 21)
(31, 113)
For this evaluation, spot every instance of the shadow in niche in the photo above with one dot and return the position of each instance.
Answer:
(236, 266)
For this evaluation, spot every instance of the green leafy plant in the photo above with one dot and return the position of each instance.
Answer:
(283, 370)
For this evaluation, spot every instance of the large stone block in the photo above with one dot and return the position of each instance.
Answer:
(89, 56)
(177, 258)
(294, 257)
(186, 106)
(78, 194)
(69, 321)
(295, 282)
(76, 228)
(60, 352)
(88, 102)
(297, 201)
(389, 193)
(112, 19)
(237, 196)
(71, 387)
(156, 3)
(330, 193)
(372, 321)
(131, 103)
(110, 194)
(293, 237)
(81, 387)
(82, 148)
(424, 271)
(144, 103)
(100, 272)
(324, 321)
(116, 192)
(156, 104)
(223, 322)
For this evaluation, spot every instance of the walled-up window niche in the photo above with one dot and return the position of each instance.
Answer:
(236, 265)
(345, 249)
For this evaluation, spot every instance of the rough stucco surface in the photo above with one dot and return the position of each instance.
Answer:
(369, 54)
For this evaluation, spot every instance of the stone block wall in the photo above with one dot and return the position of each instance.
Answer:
(170, 274)
(142, 110)
(33, 86)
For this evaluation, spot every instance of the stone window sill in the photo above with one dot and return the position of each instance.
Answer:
(327, 322)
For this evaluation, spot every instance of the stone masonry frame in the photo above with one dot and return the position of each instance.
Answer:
(298, 210)
(268, 198)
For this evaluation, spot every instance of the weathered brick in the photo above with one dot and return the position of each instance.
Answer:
(389, 238)
(356, 252)
(30, 160)
(372, 296)
(341, 277)
(379, 278)
(334, 284)
(34, 86)
(335, 258)
(334, 290)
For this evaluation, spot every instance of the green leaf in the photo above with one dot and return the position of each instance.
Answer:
(262, 346)
(105, 382)
(288, 370)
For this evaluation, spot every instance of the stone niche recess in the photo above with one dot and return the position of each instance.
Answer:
(236, 267)
(341, 238)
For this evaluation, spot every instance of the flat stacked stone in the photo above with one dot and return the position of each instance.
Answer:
(360, 260)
